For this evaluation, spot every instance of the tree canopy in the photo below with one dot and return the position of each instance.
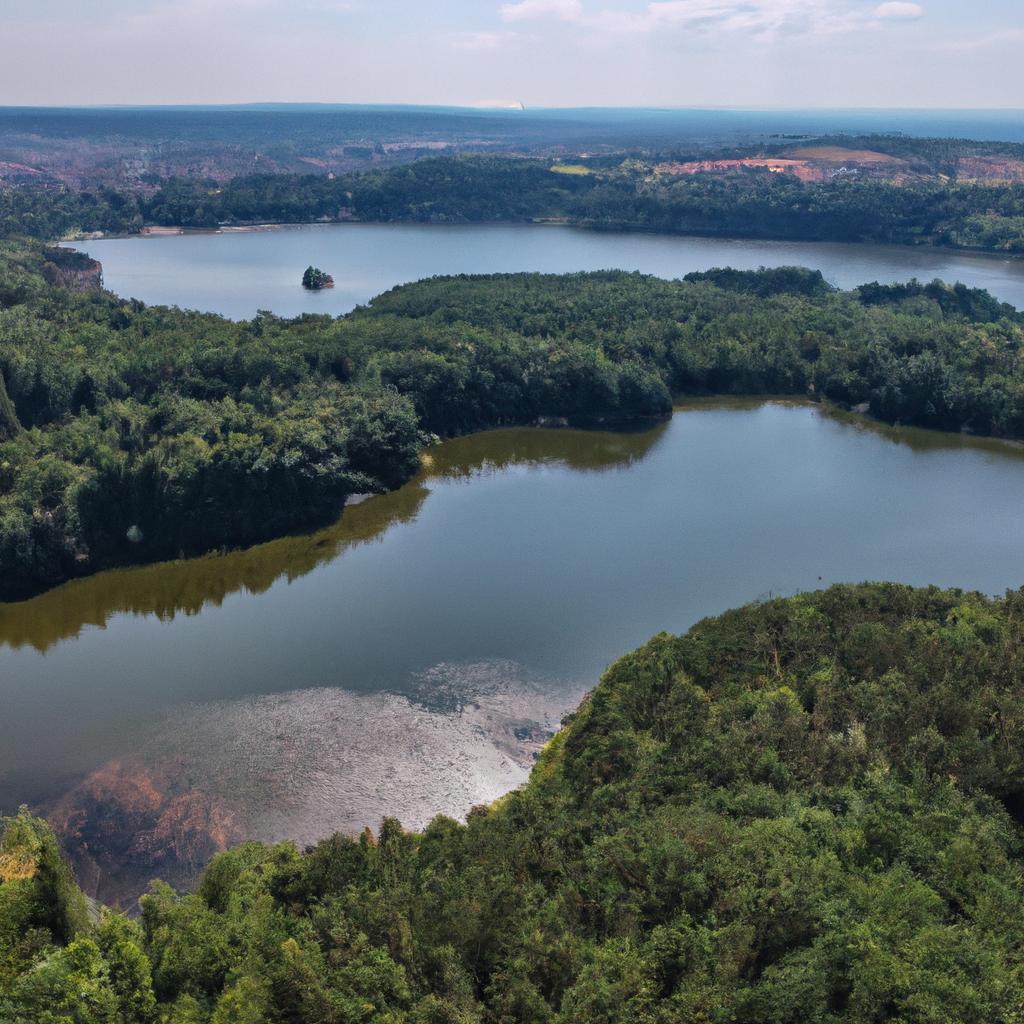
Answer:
(315, 279)
(806, 810)
(931, 206)
(133, 433)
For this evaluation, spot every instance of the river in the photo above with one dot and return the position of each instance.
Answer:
(412, 658)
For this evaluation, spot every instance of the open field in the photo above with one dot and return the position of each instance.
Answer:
(840, 154)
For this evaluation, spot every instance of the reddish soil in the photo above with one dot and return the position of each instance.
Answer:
(811, 163)
(990, 169)
(842, 155)
(801, 169)
(124, 824)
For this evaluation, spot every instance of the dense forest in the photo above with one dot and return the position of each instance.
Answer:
(132, 433)
(930, 209)
(806, 810)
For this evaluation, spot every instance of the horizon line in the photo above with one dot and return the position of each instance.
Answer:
(501, 108)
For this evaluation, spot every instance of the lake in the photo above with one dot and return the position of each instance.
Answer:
(412, 658)
(238, 272)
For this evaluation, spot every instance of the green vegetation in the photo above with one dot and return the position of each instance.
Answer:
(571, 169)
(802, 811)
(765, 205)
(934, 206)
(315, 279)
(132, 434)
(135, 434)
(52, 213)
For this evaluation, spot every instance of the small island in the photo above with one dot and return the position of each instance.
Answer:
(314, 279)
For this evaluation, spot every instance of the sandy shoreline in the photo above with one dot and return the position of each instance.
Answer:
(159, 231)
(226, 229)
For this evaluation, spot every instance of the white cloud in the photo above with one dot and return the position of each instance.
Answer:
(178, 13)
(565, 10)
(898, 10)
(480, 40)
(1009, 37)
(762, 17)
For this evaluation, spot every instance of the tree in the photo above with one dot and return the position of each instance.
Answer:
(315, 279)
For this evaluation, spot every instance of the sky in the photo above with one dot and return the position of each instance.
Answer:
(666, 53)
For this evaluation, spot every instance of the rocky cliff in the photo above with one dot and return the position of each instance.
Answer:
(66, 268)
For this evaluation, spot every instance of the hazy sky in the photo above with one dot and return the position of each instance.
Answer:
(541, 52)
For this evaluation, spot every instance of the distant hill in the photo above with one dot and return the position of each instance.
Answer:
(136, 146)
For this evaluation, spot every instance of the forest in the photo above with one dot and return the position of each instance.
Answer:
(930, 207)
(133, 434)
(805, 811)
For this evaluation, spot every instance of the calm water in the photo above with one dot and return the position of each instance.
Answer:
(410, 658)
(236, 273)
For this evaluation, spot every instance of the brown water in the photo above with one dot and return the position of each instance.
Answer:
(411, 658)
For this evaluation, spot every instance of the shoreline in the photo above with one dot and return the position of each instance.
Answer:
(172, 231)
(316, 533)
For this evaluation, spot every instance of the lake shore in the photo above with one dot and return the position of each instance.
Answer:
(253, 694)
(163, 231)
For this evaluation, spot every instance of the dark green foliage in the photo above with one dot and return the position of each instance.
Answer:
(934, 355)
(153, 433)
(136, 433)
(49, 213)
(39, 891)
(441, 190)
(766, 281)
(934, 206)
(9, 425)
(315, 279)
(765, 205)
(801, 811)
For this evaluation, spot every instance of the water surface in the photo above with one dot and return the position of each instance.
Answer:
(236, 273)
(412, 657)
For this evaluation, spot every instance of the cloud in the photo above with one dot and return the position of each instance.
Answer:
(1009, 37)
(525, 10)
(898, 10)
(177, 14)
(755, 16)
(480, 40)
(759, 17)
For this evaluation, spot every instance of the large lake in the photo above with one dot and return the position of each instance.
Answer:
(411, 658)
(236, 273)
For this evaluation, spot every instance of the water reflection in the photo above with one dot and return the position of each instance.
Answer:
(418, 672)
(301, 765)
(186, 587)
(917, 439)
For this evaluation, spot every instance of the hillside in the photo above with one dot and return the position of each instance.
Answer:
(804, 810)
(949, 193)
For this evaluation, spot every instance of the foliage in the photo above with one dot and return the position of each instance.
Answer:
(40, 905)
(135, 434)
(315, 279)
(933, 206)
(803, 810)
(132, 434)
